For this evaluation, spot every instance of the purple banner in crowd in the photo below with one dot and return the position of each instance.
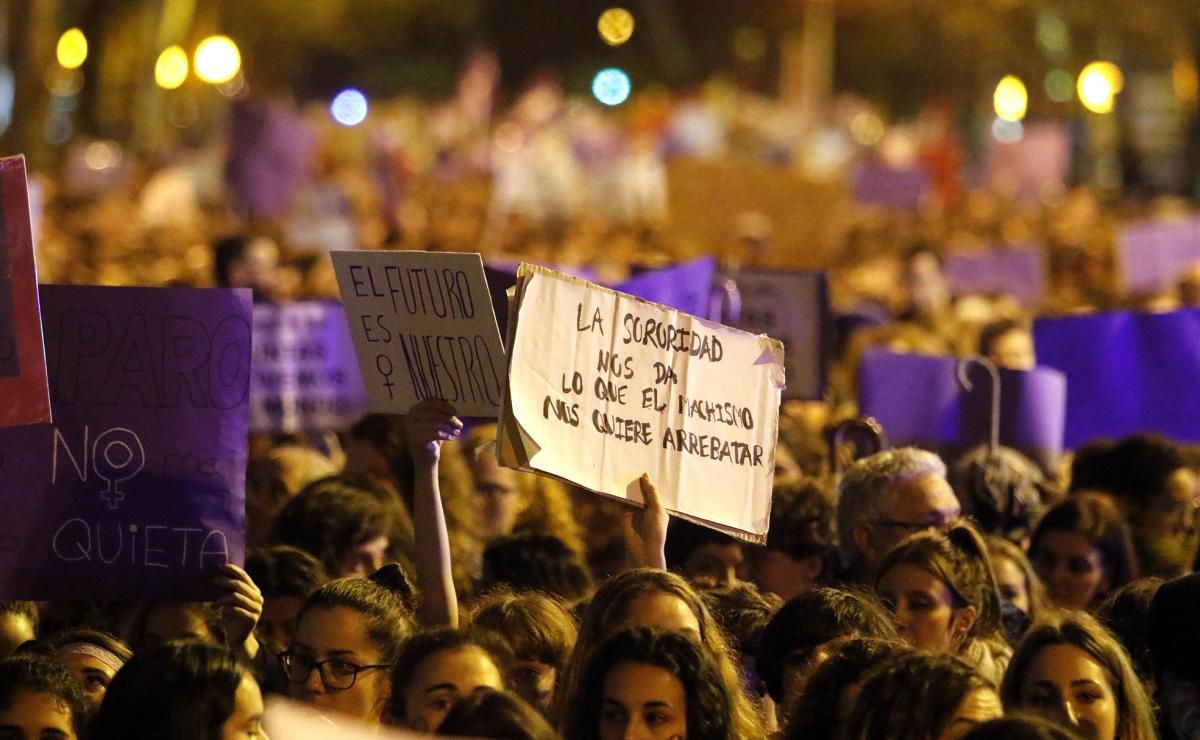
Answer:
(137, 492)
(793, 307)
(918, 400)
(686, 287)
(1017, 271)
(1152, 255)
(877, 184)
(1128, 372)
(305, 373)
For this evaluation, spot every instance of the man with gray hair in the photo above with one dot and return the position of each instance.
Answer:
(886, 497)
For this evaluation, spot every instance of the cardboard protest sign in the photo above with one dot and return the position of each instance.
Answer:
(794, 308)
(1151, 255)
(137, 492)
(1128, 372)
(685, 287)
(919, 400)
(1018, 271)
(296, 721)
(603, 387)
(24, 391)
(877, 184)
(304, 372)
(423, 327)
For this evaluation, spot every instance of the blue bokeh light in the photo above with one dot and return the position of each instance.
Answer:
(611, 86)
(349, 108)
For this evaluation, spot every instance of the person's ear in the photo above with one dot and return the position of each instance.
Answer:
(863, 542)
(812, 567)
(962, 622)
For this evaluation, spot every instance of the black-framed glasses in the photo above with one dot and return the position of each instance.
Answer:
(337, 674)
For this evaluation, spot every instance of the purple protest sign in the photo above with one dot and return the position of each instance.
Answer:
(305, 374)
(914, 397)
(138, 489)
(879, 185)
(793, 307)
(1152, 254)
(1017, 271)
(686, 287)
(269, 150)
(1127, 372)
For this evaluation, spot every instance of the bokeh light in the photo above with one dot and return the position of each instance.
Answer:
(1007, 132)
(749, 43)
(1011, 99)
(1060, 85)
(615, 26)
(217, 59)
(349, 107)
(1098, 84)
(72, 49)
(171, 69)
(611, 86)
(867, 128)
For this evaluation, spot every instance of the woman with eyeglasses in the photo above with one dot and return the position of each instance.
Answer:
(1082, 550)
(435, 669)
(942, 593)
(348, 636)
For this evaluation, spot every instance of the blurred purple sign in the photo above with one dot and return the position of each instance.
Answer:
(686, 286)
(1128, 372)
(267, 161)
(877, 184)
(304, 373)
(137, 492)
(793, 307)
(1017, 271)
(1025, 168)
(1152, 254)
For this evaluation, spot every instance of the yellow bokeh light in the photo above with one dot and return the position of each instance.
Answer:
(749, 43)
(72, 49)
(1098, 84)
(171, 69)
(615, 26)
(217, 59)
(1011, 99)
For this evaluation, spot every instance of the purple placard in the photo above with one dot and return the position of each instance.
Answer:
(267, 161)
(137, 492)
(879, 185)
(305, 374)
(1151, 255)
(686, 287)
(1017, 271)
(1127, 372)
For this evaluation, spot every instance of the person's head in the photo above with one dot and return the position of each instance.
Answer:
(495, 714)
(540, 634)
(345, 523)
(1008, 343)
(1174, 645)
(273, 477)
(531, 561)
(1020, 588)
(792, 639)
(922, 696)
(437, 668)
(822, 704)
(925, 281)
(176, 620)
(940, 589)
(1082, 550)
(18, 624)
(1072, 670)
(651, 683)
(348, 637)
(184, 690)
(501, 498)
(1020, 726)
(801, 541)
(376, 449)
(887, 496)
(94, 657)
(703, 555)
(1126, 613)
(241, 262)
(40, 698)
(1001, 490)
(286, 576)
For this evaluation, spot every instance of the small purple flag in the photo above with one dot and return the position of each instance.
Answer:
(137, 492)
(876, 184)
(1017, 271)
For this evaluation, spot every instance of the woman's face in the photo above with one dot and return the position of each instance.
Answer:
(338, 634)
(1011, 579)
(642, 702)
(246, 721)
(33, 714)
(534, 681)
(93, 674)
(499, 496)
(364, 558)
(923, 608)
(977, 707)
(661, 609)
(1066, 684)
(442, 679)
(1072, 569)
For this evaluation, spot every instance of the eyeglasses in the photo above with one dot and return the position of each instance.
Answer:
(336, 674)
(913, 527)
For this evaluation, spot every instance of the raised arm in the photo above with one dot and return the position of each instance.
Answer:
(646, 530)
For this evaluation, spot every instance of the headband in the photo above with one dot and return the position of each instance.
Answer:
(107, 657)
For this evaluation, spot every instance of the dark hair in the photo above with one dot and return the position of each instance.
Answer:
(179, 690)
(1001, 490)
(534, 626)
(1135, 469)
(283, 570)
(1097, 519)
(530, 561)
(1126, 612)
(684, 538)
(386, 609)
(331, 516)
(743, 613)
(43, 674)
(226, 251)
(1135, 718)
(385, 432)
(499, 715)
(203, 610)
(815, 712)
(27, 609)
(1019, 726)
(804, 521)
(993, 330)
(812, 619)
(709, 703)
(913, 696)
(423, 645)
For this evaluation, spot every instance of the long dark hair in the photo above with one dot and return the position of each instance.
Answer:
(709, 703)
(174, 691)
(498, 715)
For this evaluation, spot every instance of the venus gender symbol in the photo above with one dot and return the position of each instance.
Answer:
(117, 455)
